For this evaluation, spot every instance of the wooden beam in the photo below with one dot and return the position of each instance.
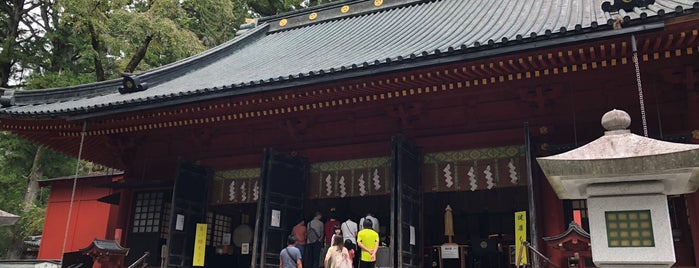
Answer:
(562, 59)
(680, 41)
(593, 53)
(571, 57)
(668, 41)
(646, 45)
(693, 37)
(581, 53)
(533, 63)
(603, 51)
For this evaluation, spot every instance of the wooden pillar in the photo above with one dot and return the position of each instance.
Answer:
(552, 218)
(551, 213)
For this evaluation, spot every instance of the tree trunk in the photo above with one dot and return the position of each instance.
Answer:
(97, 59)
(14, 12)
(16, 247)
(35, 175)
(136, 59)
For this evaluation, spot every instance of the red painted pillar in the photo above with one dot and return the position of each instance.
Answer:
(552, 218)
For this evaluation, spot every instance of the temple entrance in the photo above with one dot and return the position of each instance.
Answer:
(283, 186)
(483, 224)
(188, 209)
(406, 204)
(354, 208)
(231, 235)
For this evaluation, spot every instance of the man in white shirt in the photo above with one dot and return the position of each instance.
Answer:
(349, 232)
(374, 222)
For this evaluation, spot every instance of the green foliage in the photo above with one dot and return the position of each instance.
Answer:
(69, 42)
(16, 160)
(272, 7)
(55, 80)
(213, 21)
(31, 223)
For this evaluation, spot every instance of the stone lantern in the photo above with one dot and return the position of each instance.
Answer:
(626, 179)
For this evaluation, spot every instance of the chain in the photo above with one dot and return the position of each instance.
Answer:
(639, 85)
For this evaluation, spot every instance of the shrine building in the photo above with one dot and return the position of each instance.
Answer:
(392, 107)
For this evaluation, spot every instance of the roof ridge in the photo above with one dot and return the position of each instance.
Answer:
(334, 11)
(308, 9)
(155, 76)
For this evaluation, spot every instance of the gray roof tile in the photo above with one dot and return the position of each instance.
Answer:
(260, 56)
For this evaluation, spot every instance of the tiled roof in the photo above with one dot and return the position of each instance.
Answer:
(399, 34)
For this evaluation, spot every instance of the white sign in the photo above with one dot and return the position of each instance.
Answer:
(276, 218)
(179, 223)
(226, 239)
(450, 251)
(245, 248)
(412, 235)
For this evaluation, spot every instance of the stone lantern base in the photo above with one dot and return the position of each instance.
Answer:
(631, 231)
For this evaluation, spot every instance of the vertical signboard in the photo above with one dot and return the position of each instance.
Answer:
(199, 245)
(520, 236)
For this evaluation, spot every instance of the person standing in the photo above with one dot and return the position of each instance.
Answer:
(314, 240)
(290, 257)
(299, 231)
(337, 231)
(349, 232)
(375, 222)
(338, 255)
(329, 227)
(368, 241)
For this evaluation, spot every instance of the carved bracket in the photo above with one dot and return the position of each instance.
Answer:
(202, 138)
(540, 97)
(406, 113)
(295, 127)
(125, 147)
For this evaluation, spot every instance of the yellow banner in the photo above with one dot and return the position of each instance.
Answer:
(520, 236)
(199, 245)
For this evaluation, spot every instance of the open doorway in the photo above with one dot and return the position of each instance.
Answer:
(229, 232)
(483, 222)
(354, 208)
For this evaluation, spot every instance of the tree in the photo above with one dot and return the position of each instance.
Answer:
(273, 7)
(22, 165)
(213, 21)
(63, 43)
(17, 32)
